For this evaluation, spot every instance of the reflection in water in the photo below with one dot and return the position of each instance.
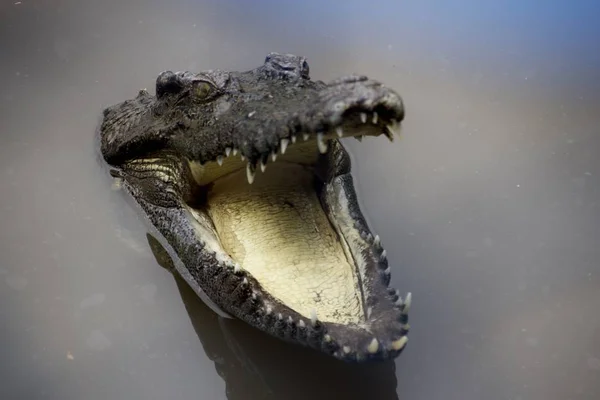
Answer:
(255, 365)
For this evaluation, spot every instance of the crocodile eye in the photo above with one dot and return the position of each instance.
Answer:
(202, 90)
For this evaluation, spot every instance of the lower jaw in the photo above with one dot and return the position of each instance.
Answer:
(277, 230)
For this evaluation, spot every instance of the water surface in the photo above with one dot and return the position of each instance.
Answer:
(488, 205)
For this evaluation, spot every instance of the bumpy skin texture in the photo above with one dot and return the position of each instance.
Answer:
(203, 116)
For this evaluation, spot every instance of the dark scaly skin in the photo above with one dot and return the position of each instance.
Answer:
(205, 116)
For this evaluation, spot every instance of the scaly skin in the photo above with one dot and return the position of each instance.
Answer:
(151, 143)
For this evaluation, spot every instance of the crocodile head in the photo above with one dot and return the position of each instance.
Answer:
(244, 177)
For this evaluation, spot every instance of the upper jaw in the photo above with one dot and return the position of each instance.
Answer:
(348, 107)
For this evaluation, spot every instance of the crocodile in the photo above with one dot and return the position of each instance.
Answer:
(244, 177)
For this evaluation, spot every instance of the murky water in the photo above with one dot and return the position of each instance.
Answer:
(488, 206)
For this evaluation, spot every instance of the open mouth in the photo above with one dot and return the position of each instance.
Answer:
(279, 222)
(291, 231)
(245, 176)
(291, 225)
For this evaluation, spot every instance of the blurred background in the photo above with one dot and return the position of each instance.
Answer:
(489, 205)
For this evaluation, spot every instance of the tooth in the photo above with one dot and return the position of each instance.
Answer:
(220, 160)
(389, 133)
(407, 303)
(279, 316)
(373, 346)
(273, 156)
(242, 157)
(375, 118)
(339, 131)
(284, 144)
(301, 324)
(327, 338)
(305, 136)
(321, 143)
(400, 343)
(244, 282)
(234, 151)
(250, 173)
(269, 310)
(377, 241)
(290, 320)
(363, 118)
(254, 296)
(399, 302)
(263, 166)
(227, 151)
(236, 268)
(313, 316)
(383, 255)
(117, 184)
(346, 349)
(293, 138)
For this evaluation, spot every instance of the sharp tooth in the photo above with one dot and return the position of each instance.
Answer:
(339, 131)
(220, 160)
(389, 133)
(375, 118)
(373, 346)
(392, 129)
(234, 151)
(284, 144)
(363, 118)
(301, 324)
(117, 184)
(407, 303)
(273, 156)
(293, 138)
(321, 143)
(227, 151)
(250, 173)
(269, 310)
(400, 343)
(305, 136)
(263, 166)
(383, 255)
(313, 316)
(377, 241)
